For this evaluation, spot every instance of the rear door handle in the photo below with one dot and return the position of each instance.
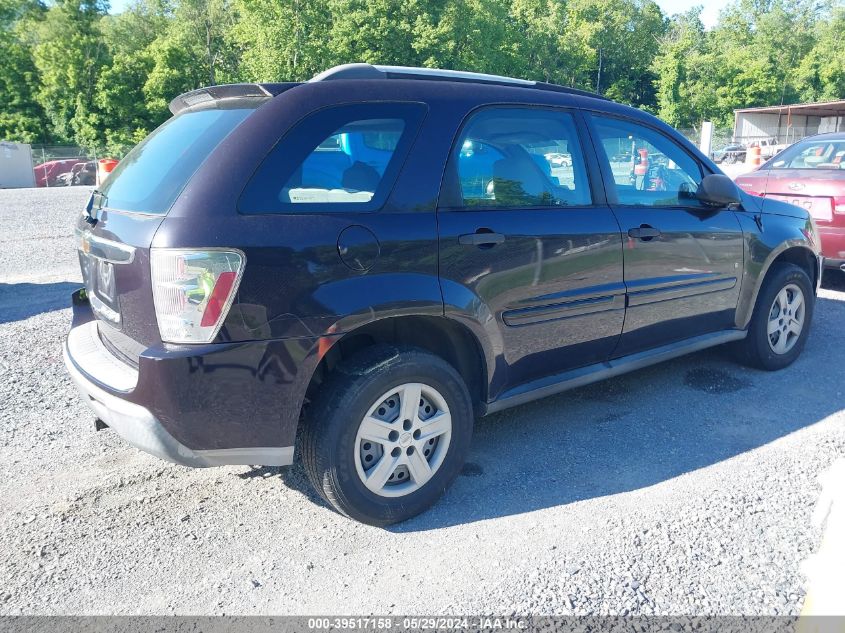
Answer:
(481, 238)
(644, 232)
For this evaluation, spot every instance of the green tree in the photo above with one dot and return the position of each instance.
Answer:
(535, 43)
(195, 49)
(681, 53)
(821, 73)
(750, 59)
(774, 36)
(620, 40)
(73, 73)
(174, 71)
(202, 28)
(69, 54)
(21, 117)
(120, 97)
(283, 40)
(475, 35)
(122, 102)
(137, 26)
(372, 31)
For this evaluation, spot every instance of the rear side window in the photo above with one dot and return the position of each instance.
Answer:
(345, 167)
(520, 158)
(344, 158)
(153, 174)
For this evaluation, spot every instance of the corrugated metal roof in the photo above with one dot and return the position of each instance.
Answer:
(822, 108)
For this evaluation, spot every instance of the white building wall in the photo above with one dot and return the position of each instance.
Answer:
(751, 126)
(832, 124)
(16, 165)
(755, 126)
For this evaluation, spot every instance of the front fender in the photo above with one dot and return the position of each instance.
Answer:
(763, 247)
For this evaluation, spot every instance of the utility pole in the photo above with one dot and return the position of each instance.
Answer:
(598, 75)
(782, 98)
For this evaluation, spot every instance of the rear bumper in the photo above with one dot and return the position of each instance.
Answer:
(132, 422)
(833, 245)
(175, 407)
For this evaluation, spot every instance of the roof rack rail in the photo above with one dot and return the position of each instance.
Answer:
(371, 71)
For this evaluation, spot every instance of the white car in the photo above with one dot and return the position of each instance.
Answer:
(556, 159)
(769, 147)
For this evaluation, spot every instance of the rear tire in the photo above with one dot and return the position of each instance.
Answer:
(387, 433)
(781, 321)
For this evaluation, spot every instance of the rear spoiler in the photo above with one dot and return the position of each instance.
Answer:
(227, 91)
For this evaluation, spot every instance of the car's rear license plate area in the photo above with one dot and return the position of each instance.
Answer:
(98, 276)
(819, 208)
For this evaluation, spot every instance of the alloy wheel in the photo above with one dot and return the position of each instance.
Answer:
(786, 319)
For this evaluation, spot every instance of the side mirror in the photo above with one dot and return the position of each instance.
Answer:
(718, 190)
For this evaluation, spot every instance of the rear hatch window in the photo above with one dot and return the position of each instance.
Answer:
(153, 174)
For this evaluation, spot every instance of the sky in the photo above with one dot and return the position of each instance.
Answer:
(670, 7)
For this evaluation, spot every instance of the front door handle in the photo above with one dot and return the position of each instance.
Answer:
(644, 232)
(481, 238)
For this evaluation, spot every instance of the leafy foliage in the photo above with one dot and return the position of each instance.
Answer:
(73, 73)
(751, 58)
(21, 116)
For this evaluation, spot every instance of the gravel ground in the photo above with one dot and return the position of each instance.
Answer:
(685, 488)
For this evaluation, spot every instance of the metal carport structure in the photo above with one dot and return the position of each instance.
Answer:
(788, 123)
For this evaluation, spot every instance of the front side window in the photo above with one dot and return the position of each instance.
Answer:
(648, 168)
(343, 158)
(519, 158)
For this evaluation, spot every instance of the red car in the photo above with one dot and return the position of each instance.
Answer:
(47, 174)
(809, 174)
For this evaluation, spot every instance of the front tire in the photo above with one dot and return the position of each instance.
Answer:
(781, 321)
(387, 434)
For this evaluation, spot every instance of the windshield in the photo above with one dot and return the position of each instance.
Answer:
(812, 154)
(153, 174)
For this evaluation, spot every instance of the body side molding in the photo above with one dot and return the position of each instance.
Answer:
(593, 373)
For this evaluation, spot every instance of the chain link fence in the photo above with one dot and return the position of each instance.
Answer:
(725, 136)
(722, 137)
(727, 145)
(68, 165)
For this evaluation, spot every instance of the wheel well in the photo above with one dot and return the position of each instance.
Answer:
(801, 257)
(440, 336)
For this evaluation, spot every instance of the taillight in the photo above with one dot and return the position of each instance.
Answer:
(839, 204)
(811, 233)
(193, 290)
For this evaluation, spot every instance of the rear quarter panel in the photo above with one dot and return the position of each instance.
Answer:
(295, 283)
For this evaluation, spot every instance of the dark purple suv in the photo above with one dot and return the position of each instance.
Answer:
(374, 258)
